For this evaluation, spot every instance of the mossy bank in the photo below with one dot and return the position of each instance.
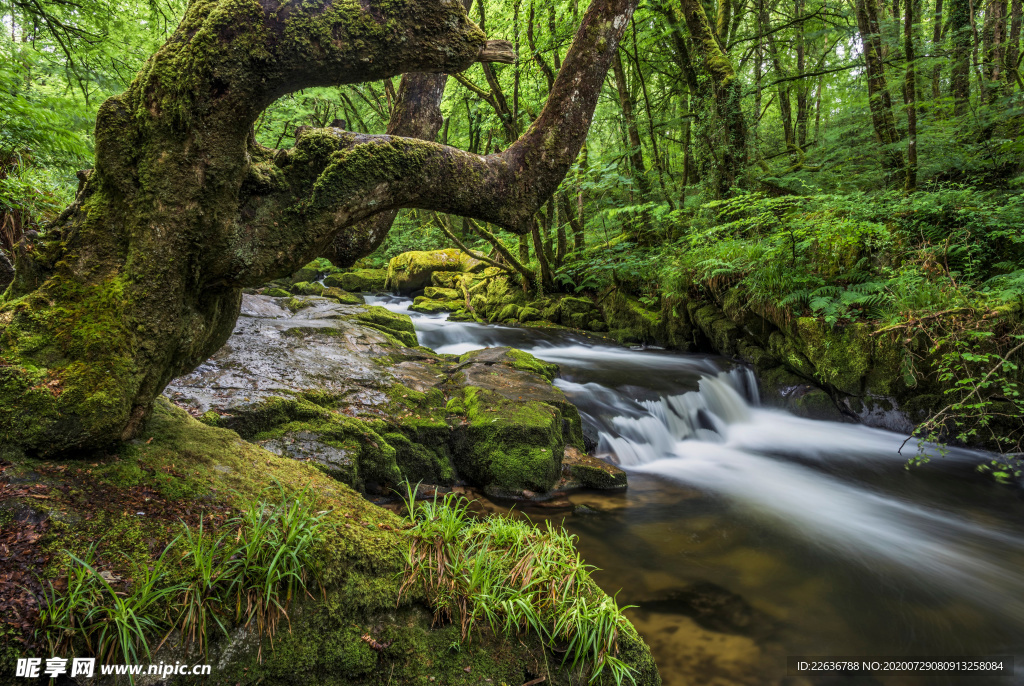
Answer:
(359, 630)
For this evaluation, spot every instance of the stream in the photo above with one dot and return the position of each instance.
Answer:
(748, 534)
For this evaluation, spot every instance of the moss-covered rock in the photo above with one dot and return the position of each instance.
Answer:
(517, 424)
(427, 305)
(358, 280)
(346, 388)
(628, 320)
(446, 279)
(305, 275)
(396, 325)
(508, 313)
(307, 288)
(528, 314)
(580, 470)
(412, 271)
(342, 296)
(437, 293)
(277, 293)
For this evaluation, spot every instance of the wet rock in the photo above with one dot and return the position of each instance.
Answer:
(580, 470)
(343, 296)
(713, 608)
(426, 305)
(307, 288)
(345, 387)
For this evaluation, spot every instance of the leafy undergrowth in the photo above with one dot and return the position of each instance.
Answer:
(513, 577)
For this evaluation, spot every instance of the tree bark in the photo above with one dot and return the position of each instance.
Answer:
(140, 280)
(994, 39)
(644, 231)
(879, 101)
(724, 131)
(960, 39)
(417, 114)
(911, 90)
(1013, 48)
(936, 48)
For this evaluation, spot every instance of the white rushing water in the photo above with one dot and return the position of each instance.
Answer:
(685, 419)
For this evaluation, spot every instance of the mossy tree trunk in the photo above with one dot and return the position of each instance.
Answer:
(140, 279)
(879, 100)
(722, 131)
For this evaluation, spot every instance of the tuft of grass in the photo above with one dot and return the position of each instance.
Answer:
(109, 622)
(248, 575)
(515, 578)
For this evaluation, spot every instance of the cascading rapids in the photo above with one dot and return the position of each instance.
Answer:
(704, 415)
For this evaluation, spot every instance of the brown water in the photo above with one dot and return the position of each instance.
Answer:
(748, 535)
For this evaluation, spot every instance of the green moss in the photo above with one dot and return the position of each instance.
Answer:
(435, 293)
(428, 306)
(421, 462)
(359, 280)
(508, 313)
(344, 297)
(520, 359)
(630, 322)
(841, 356)
(307, 288)
(450, 280)
(509, 446)
(277, 293)
(384, 320)
(412, 271)
(528, 314)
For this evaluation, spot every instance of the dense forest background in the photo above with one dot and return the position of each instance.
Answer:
(845, 160)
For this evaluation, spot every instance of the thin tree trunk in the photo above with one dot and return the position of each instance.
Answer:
(911, 89)
(879, 101)
(1013, 48)
(936, 49)
(994, 42)
(658, 165)
(785, 106)
(538, 248)
(960, 71)
(644, 229)
(726, 156)
(801, 87)
(579, 239)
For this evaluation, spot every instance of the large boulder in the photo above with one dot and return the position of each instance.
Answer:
(347, 388)
(411, 271)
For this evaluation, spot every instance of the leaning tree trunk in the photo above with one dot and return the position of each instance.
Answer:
(140, 279)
